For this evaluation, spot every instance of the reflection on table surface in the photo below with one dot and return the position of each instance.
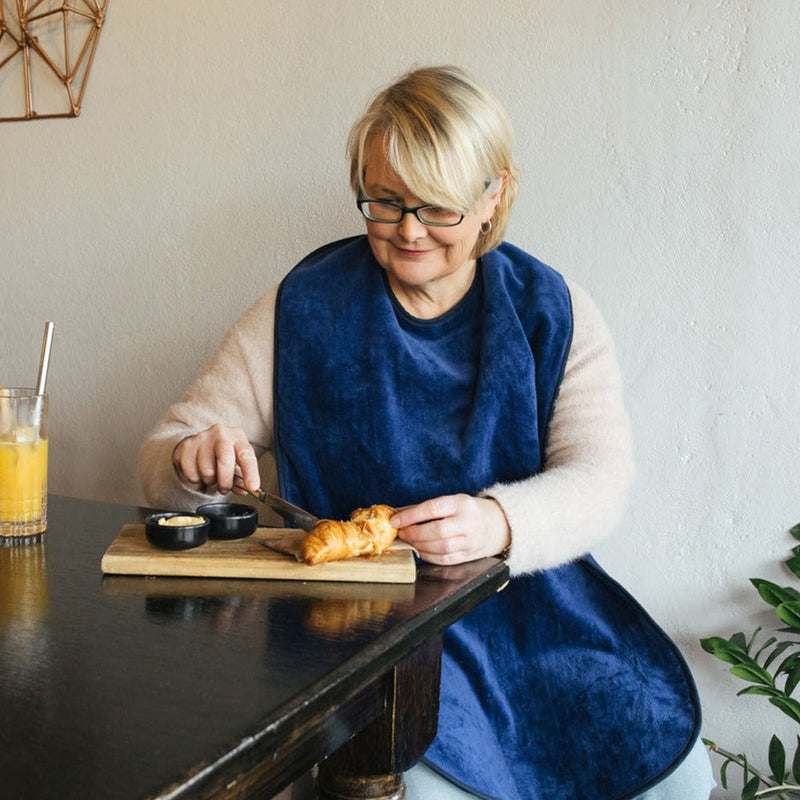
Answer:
(328, 609)
(24, 602)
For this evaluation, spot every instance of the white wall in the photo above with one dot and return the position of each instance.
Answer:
(658, 146)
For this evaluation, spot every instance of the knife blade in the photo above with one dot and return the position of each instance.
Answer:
(297, 516)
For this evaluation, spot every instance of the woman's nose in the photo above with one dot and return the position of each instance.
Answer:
(410, 228)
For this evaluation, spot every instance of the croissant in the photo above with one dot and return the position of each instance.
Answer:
(335, 617)
(366, 533)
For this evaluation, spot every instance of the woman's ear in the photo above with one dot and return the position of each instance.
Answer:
(496, 188)
(494, 191)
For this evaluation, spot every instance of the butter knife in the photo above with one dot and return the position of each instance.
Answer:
(297, 516)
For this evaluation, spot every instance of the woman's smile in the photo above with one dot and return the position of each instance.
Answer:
(416, 253)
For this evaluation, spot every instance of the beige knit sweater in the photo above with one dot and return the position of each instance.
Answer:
(555, 516)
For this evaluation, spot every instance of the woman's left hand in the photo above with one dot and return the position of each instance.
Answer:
(454, 528)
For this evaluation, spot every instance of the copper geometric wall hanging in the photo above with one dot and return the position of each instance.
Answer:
(47, 48)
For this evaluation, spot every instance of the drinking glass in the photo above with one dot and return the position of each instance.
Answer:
(23, 463)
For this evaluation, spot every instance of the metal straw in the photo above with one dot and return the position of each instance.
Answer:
(44, 361)
(41, 380)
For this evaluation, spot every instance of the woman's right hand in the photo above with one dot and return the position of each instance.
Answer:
(209, 460)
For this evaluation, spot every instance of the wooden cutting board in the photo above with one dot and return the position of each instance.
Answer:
(131, 554)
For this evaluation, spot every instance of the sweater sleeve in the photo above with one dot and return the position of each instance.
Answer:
(234, 388)
(579, 497)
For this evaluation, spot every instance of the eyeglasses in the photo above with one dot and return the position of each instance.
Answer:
(384, 211)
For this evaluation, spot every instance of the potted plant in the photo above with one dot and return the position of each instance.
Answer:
(770, 665)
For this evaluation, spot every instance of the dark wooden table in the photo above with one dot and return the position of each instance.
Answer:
(132, 687)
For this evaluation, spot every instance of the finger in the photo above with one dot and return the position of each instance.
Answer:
(453, 553)
(185, 461)
(248, 465)
(238, 483)
(438, 542)
(206, 460)
(450, 547)
(225, 458)
(424, 534)
(433, 509)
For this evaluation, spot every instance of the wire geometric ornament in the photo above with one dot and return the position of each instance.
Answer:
(47, 48)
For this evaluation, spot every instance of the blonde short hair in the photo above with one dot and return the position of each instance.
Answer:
(446, 138)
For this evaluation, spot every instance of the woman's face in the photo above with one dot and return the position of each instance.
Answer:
(430, 263)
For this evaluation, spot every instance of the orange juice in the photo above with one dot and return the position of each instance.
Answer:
(23, 462)
(23, 485)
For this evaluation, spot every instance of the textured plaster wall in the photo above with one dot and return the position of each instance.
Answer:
(658, 149)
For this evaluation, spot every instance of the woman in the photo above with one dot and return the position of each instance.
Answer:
(467, 384)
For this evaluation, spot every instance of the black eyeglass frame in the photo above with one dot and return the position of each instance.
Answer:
(361, 200)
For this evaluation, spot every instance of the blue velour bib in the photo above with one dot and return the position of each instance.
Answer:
(561, 686)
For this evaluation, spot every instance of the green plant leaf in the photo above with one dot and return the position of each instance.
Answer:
(768, 643)
(789, 612)
(777, 758)
(723, 775)
(795, 531)
(753, 636)
(778, 649)
(762, 691)
(788, 664)
(792, 680)
(788, 705)
(772, 593)
(725, 650)
(750, 788)
(752, 673)
(738, 640)
(794, 562)
(796, 763)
